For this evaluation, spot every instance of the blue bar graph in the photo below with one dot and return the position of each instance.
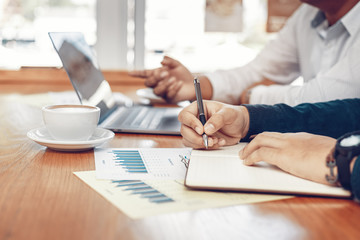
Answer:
(130, 160)
(143, 190)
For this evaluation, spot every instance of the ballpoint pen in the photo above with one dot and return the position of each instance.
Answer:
(200, 108)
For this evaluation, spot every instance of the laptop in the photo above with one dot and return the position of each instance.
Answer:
(91, 88)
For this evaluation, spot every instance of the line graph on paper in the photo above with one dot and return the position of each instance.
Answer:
(140, 163)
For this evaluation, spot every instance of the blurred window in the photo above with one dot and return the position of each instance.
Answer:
(204, 34)
(24, 25)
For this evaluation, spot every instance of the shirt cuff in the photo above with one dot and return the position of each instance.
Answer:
(223, 90)
(272, 94)
(257, 115)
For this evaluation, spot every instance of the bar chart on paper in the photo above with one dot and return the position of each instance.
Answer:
(140, 199)
(142, 190)
(130, 160)
(141, 163)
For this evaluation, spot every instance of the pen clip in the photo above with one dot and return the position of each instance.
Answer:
(199, 96)
(184, 160)
(200, 105)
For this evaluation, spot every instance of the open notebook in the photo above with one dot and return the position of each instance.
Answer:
(223, 170)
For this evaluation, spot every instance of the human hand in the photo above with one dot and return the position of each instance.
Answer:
(226, 124)
(173, 81)
(245, 95)
(301, 154)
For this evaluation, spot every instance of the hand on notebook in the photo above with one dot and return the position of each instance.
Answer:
(226, 124)
(301, 154)
(173, 81)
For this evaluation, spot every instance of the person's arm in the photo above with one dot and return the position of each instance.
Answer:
(301, 154)
(278, 62)
(228, 124)
(173, 81)
(331, 119)
(339, 82)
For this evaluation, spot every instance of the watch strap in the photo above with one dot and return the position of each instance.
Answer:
(331, 164)
(343, 166)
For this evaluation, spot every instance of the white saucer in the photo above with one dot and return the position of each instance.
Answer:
(42, 137)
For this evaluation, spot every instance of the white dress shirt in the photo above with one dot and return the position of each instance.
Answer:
(327, 58)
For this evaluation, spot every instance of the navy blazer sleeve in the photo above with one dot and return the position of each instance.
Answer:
(332, 119)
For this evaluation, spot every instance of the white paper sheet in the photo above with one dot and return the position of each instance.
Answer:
(140, 163)
(139, 199)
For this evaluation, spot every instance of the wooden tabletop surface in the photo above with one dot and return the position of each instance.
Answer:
(40, 198)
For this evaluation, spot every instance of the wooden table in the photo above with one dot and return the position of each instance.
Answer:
(40, 198)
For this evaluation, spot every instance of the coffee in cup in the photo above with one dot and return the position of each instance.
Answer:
(71, 122)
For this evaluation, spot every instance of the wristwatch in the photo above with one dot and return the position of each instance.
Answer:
(346, 148)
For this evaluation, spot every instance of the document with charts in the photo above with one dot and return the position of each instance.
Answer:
(223, 170)
(140, 163)
(144, 198)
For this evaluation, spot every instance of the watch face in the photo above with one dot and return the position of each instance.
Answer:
(350, 141)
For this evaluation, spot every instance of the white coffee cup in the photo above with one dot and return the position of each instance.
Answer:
(71, 122)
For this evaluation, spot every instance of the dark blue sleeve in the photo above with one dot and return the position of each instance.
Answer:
(333, 118)
(355, 180)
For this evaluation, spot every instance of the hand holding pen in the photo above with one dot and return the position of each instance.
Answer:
(200, 108)
(225, 124)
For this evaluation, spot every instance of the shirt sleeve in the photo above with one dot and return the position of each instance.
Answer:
(339, 82)
(278, 61)
(332, 119)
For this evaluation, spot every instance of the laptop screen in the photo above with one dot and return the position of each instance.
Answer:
(82, 68)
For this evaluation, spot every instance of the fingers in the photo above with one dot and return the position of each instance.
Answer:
(265, 139)
(266, 154)
(264, 142)
(161, 89)
(194, 140)
(192, 129)
(173, 90)
(156, 76)
(188, 118)
(140, 73)
(153, 76)
(191, 138)
(219, 119)
(170, 62)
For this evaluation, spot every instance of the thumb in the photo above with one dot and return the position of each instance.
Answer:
(141, 73)
(219, 119)
(170, 62)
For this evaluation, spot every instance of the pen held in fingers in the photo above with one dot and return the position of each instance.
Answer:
(205, 139)
(204, 136)
(200, 108)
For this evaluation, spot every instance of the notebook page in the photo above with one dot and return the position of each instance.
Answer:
(223, 169)
(228, 151)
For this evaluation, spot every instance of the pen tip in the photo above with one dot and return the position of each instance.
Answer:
(205, 139)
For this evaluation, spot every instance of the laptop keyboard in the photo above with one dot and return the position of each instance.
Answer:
(139, 117)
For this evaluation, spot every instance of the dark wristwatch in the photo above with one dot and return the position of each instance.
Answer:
(346, 148)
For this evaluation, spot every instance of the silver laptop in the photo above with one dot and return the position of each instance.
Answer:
(91, 88)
